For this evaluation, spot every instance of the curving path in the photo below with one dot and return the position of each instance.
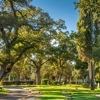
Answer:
(17, 93)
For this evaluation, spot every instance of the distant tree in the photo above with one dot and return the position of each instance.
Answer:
(62, 51)
(21, 70)
(82, 66)
(42, 52)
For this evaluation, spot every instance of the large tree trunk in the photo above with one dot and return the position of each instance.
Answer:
(18, 78)
(91, 74)
(83, 76)
(5, 69)
(2, 70)
(59, 79)
(38, 76)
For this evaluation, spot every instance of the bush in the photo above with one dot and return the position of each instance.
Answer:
(44, 81)
(54, 83)
(95, 86)
(17, 83)
(0, 83)
(86, 85)
(98, 80)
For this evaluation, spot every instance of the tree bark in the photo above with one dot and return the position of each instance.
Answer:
(60, 76)
(2, 70)
(38, 76)
(91, 74)
(83, 76)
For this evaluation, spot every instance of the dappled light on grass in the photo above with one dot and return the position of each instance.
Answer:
(52, 94)
(4, 91)
(55, 97)
(76, 92)
(83, 93)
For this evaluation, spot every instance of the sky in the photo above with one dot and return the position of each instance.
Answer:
(60, 9)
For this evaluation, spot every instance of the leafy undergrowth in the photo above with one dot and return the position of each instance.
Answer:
(76, 92)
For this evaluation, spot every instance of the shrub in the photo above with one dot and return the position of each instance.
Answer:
(95, 86)
(86, 85)
(98, 80)
(44, 81)
(0, 83)
(54, 83)
(17, 83)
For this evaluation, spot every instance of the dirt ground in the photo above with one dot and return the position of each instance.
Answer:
(17, 93)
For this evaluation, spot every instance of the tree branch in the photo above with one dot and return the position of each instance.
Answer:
(4, 36)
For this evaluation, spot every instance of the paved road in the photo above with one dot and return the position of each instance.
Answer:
(17, 93)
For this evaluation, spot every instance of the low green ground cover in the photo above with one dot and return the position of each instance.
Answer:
(66, 92)
(3, 91)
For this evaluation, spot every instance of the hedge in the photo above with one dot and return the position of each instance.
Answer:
(16, 83)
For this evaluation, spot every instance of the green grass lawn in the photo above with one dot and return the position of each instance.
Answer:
(3, 91)
(63, 92)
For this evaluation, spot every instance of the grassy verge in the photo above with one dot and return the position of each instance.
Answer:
(3, 91)
(79, 93)
(63, 92)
